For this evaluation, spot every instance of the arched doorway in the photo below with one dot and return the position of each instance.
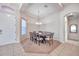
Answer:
(71, 27)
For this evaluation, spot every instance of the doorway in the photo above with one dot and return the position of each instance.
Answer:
(72, 27)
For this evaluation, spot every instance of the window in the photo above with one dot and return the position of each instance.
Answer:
(73, 28)
(24, 27)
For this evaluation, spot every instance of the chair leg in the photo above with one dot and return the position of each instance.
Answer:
(36, 41)
(39, 42)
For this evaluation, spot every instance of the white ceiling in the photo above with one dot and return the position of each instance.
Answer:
(45, 9)
(73, 16)
(31, 9)
(11, 8)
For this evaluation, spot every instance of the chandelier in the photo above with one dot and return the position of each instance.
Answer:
(38, 19)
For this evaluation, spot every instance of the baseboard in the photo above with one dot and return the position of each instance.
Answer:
(2, 43)
(59, 40)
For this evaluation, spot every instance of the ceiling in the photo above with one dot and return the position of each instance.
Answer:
(73, 16)
(32, 9)
(44, 9)
(10, 8)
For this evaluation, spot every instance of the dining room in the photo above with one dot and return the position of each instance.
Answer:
(41, 34)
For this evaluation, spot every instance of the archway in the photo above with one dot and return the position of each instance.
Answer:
(71, 34)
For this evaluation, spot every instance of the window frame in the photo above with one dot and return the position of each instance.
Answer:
(75, 30)
(21, 25)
